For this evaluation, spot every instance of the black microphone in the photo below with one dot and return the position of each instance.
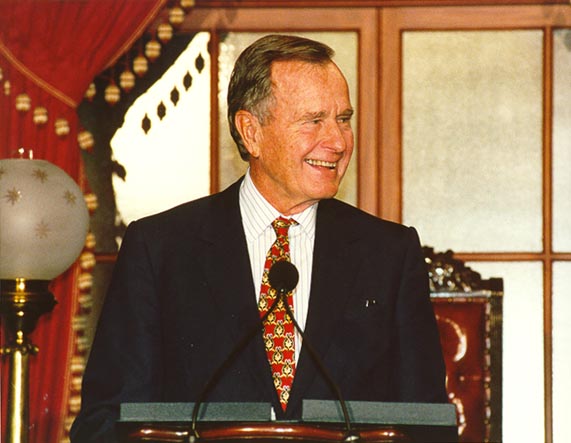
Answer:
(283, 277)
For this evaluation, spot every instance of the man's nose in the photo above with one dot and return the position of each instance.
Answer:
(334, 136)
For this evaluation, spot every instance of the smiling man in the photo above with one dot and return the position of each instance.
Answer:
(190, 283)
(300, 151)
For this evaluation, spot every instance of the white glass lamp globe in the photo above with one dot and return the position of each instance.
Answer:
(43, 220)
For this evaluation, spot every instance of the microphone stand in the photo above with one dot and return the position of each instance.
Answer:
(284, 279)
(194, 435)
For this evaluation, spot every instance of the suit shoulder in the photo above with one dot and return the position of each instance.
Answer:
(186, 213)
(361, 220)
(191, 215)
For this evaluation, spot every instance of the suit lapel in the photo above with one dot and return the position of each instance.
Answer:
(227, 265)
(335, 265)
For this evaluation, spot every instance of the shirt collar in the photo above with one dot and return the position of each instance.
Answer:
(258, 213)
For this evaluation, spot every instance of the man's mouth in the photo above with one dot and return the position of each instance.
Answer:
(322, 163)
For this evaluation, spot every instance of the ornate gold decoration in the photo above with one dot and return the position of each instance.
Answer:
(23, 102)
(127, 80)
(85, 140)
(7, 88)
(91, 201)
(187, 3)
(176, 16)
(90, 241)
(61, 126)
(449, 274)
(152, 50)
(90, 91)
(164, 32)
(112, 94)
(40, 115)
(140, 65)
(87, 260)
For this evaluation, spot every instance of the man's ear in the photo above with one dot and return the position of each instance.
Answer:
(248, 126)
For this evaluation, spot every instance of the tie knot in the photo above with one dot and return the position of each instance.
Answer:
(281, 225)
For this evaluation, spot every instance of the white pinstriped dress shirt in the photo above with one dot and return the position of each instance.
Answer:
(257, 216)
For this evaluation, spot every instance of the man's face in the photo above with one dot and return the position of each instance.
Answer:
(302, 150)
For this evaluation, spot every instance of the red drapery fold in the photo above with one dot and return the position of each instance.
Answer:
(49, 53)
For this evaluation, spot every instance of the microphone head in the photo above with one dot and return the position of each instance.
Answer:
(283, 276)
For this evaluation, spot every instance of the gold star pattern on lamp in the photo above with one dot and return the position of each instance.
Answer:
(40, 174)
(69, 197)
(12, 196)
(42, 229)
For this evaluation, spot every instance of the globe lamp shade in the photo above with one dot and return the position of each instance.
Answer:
(43, 220)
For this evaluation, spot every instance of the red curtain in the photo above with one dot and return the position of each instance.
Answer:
(50, 50)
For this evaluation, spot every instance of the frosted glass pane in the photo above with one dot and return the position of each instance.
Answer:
(562, 141)
(472, 139)
(171, 163)
(561, 351)
(345, 45)
(522, 361)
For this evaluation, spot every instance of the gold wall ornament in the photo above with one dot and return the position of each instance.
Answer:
(140, 65)
(164, 32)
(23, 103)
(85, 301)
(75, 404)
(152, 50)
(127, 80)
(40, 116)
(112, 94)
(90, 92)
(87, 260)
(85, 281)
(7, 88)
(61, 127)
(90, 241)
(176, 16)
(187, 3)
(91, 202)
(85, 140)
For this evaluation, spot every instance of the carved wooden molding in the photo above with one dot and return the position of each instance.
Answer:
(228, 4)
(447, 274)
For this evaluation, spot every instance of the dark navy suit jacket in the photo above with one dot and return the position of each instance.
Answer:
(182, 297)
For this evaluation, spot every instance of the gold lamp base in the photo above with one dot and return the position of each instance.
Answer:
(22, 302)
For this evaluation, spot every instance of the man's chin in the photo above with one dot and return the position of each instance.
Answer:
(327, 193)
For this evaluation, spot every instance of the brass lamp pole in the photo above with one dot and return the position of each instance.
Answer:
(22, 302)
(43, 225)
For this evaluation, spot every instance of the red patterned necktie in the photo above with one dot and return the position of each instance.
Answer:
(278, 327)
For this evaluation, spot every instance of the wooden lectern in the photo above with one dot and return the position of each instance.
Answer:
(322, 421)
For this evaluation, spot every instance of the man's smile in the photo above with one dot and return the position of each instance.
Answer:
(323, 163)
